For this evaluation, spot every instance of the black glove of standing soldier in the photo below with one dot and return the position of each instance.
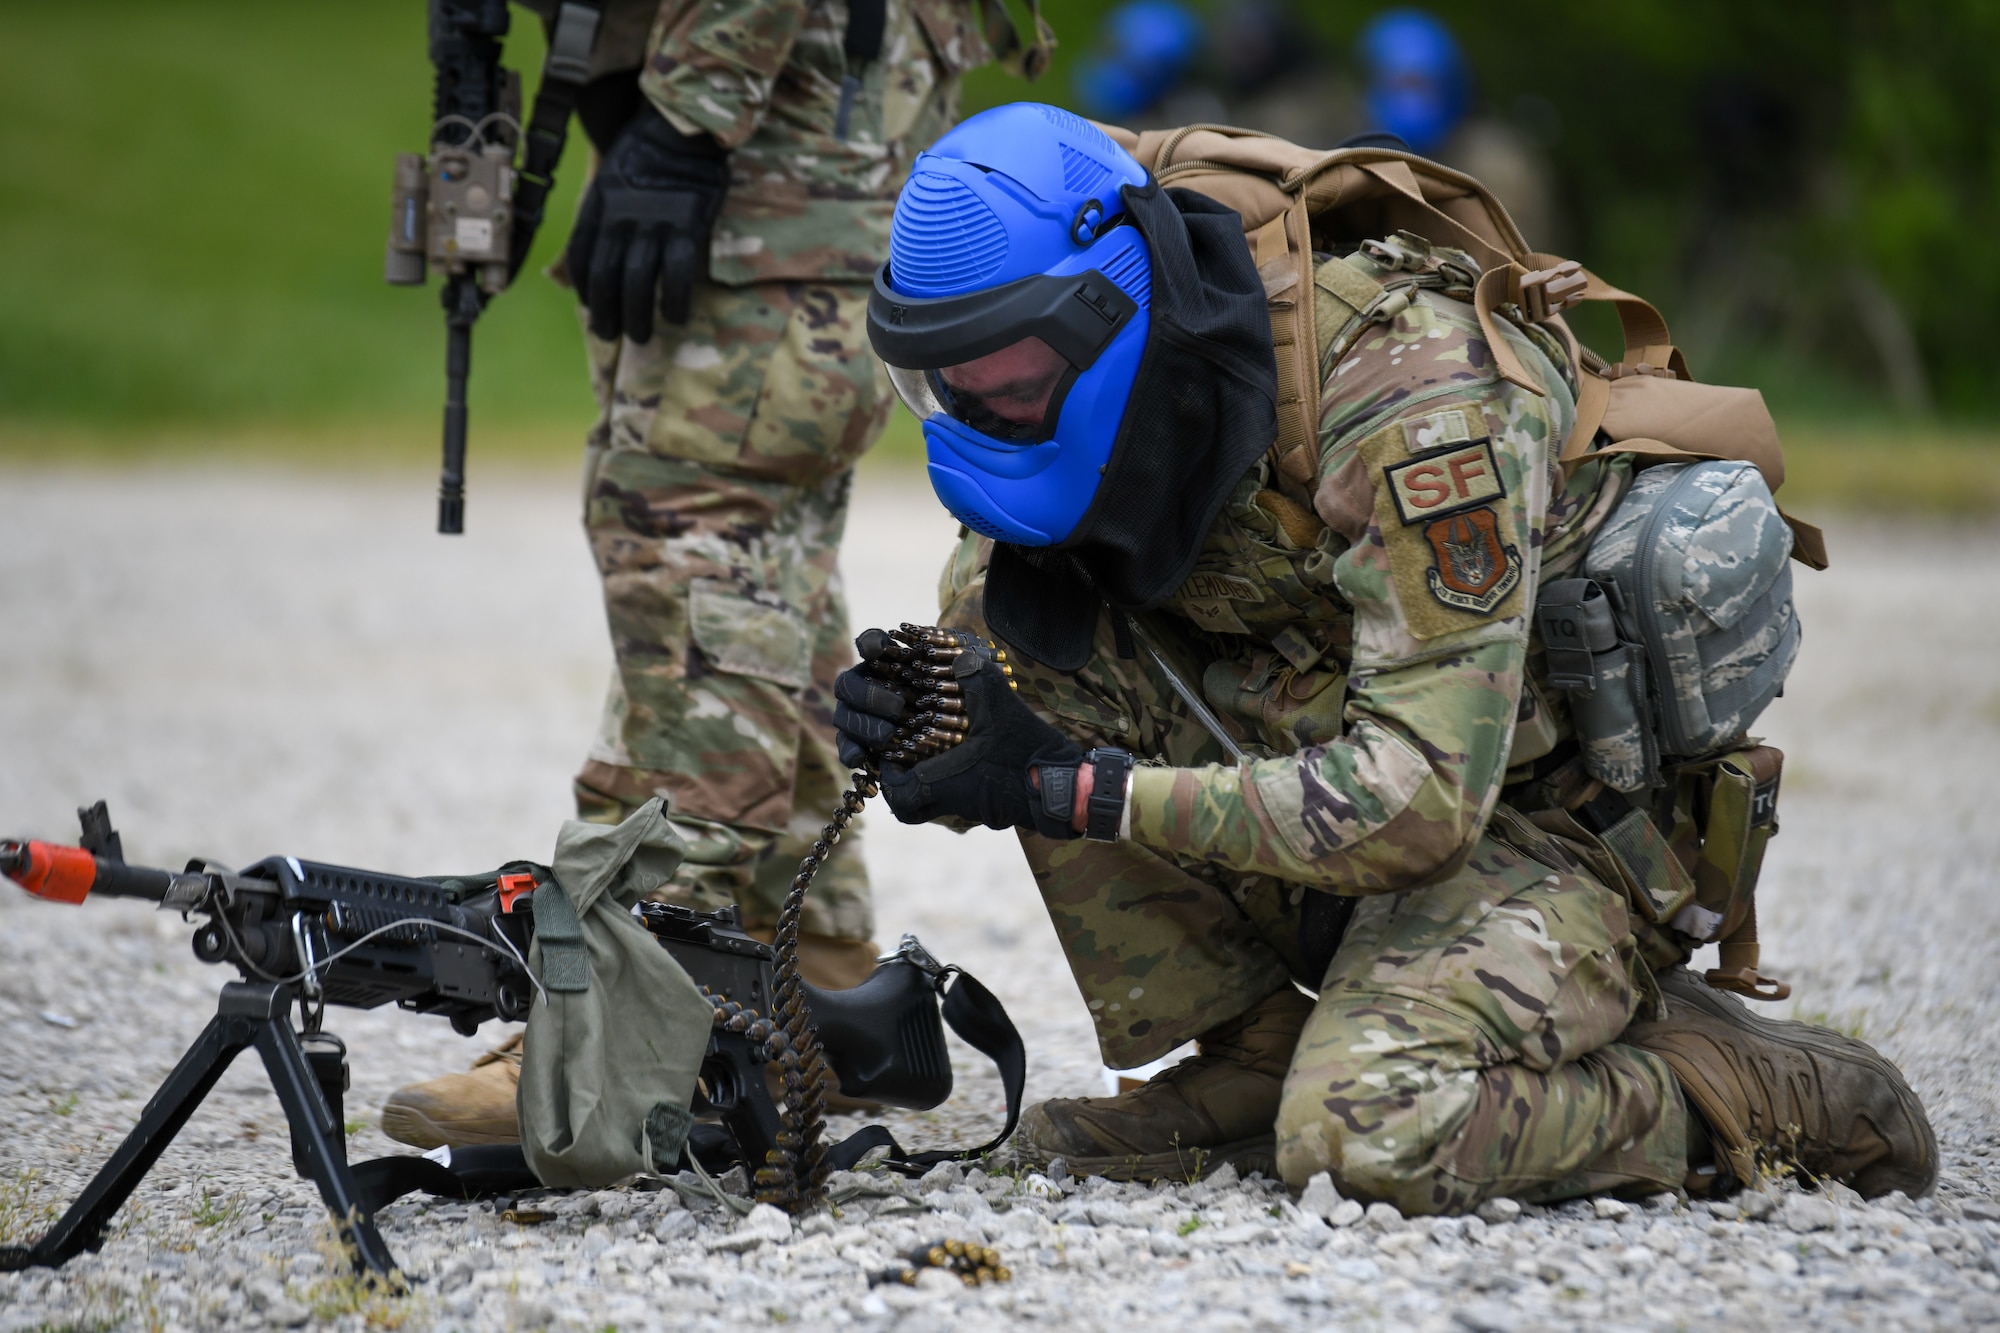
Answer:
(985, 778)
(641, 237)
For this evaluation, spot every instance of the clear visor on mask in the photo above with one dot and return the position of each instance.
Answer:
(1014, 394)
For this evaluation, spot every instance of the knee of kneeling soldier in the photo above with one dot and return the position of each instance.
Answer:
(1371, 1166)
(1372, 1112)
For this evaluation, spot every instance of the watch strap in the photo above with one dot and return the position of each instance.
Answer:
(1106, 808)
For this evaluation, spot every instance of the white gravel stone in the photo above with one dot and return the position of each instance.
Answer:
(1756, 1205)
(1810, 1212)
(364, 692)
(1384, 1217)
(1319, 1197)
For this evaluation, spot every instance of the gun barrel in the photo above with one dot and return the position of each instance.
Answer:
(451, 479)
(70, 874)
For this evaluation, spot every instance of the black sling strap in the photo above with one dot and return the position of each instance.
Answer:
(971, 1010)
(564, 72)
(978, 1017)
(867, 20)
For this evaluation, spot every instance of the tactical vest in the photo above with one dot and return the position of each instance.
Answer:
(1689, 863)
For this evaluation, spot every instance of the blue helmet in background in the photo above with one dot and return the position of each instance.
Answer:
(1417, 84)
(1012, 315)
(1151, 44)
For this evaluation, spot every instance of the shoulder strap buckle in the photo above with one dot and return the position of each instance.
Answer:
(1548, 292)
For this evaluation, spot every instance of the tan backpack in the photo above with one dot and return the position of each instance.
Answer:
(1296, 200)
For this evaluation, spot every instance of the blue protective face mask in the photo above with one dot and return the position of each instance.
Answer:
(1417, 86)
(1016, 440)
(1420, 114)
(1012, 316)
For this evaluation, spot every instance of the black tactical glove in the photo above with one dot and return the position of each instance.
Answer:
(641, 237)
(984, 778)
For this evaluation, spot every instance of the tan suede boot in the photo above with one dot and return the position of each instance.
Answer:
(1215, 1107)
(459, 1110)
(1776, 1093)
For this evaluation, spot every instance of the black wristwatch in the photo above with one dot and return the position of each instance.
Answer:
(1106, 810)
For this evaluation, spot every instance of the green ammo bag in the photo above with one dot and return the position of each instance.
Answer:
(613, 1045)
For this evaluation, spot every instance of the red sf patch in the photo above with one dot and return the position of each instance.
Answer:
(1472, 568)
(1445, 483)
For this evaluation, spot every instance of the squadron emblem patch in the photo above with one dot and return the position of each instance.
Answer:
(1472, 569)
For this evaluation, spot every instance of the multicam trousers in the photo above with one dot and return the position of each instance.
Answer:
(715, 491)
(1464, 1044)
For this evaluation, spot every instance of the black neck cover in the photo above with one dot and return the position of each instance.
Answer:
(1203, 408)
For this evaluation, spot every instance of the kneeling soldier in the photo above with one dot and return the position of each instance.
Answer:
(1259, 753)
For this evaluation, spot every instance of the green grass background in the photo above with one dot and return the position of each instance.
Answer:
(191, 236)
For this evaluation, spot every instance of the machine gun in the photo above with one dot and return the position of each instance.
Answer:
(465, 207)
(312, 935)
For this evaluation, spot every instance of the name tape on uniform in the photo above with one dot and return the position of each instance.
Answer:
(1209, 586)
(1445, 483)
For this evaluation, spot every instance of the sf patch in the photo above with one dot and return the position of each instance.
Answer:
(1472, 568)
(1445, 483)
(1451, 524)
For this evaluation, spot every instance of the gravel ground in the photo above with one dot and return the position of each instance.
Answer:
(253, 663)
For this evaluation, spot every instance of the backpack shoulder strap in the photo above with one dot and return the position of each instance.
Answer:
(1282, 248)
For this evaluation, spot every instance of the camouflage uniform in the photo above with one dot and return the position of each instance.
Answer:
(717, 475)
(1375, 663)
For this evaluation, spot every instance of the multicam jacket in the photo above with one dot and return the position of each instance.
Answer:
(1371, 636)
(764, 77)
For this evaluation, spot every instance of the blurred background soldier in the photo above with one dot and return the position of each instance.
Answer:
(1147, 68)
(1418, 88)
(748, 157)
(1258, 65)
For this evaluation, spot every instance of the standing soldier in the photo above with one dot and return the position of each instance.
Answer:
(749, 157)
(1286, 754)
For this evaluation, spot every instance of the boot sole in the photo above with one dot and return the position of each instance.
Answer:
(408, 1125)
(1682, 986)
(1181, 1164)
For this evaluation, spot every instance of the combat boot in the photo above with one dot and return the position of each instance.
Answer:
(1777, 1093)
(1214, 1107)
(459, 1110)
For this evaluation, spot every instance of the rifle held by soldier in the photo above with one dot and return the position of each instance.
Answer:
(467, 207)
